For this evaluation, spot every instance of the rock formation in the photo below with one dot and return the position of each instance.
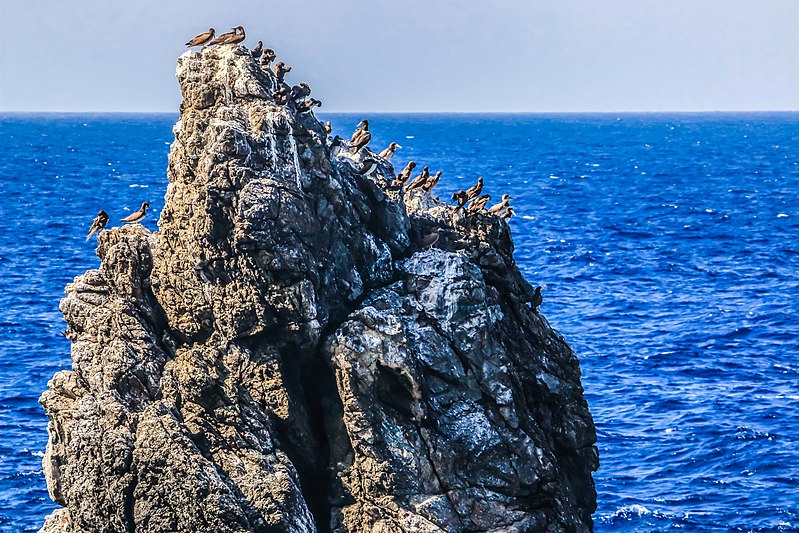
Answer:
(283, 355)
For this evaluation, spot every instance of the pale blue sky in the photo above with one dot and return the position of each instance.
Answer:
(417, 55)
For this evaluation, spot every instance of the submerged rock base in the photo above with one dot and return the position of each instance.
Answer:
(282, 355)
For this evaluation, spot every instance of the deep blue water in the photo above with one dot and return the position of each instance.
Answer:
(668, 245)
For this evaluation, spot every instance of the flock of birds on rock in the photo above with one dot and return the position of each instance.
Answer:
(471, 200)
(102, 219)
(299, 94)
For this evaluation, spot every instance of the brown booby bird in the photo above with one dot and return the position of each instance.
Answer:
(362, 136)
(478, 204)
(537, 299)
(509, 212)
(501, 206)
(461, 198)
(309, 104)
(388, 153)
(280, 71)
(368, 167)
(137, 215)
(431, 182)
(258, 50)
(328, 127)
(363, 125)
(336, 145)
(267, 57)
(404, 175)
(98, 223)
(475, 190)
(302, 90)
(431, 238)
(419, 180)
(202, 39)
(236, 38)
(229, 37)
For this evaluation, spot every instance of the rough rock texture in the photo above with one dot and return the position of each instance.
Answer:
(282, 356)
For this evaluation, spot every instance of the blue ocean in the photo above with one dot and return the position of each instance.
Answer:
(668, 246)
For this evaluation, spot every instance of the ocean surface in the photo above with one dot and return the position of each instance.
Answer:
(668, 246)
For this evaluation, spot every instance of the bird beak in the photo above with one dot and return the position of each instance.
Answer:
(398, 146)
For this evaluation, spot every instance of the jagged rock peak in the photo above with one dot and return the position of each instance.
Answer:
(285, 355)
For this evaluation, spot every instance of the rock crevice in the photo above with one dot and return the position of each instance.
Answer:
(284, 355)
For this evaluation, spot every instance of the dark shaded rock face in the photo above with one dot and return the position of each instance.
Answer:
(283, 356)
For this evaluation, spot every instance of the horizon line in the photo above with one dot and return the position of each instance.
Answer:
(351, 112)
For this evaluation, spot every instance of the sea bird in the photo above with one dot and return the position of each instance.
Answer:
(137, 216)
(404, 175)
(509, 212)
(496, 209)
(368, 167)
(537, 299)
(302, 90)
(461, 198)
(267, 57)
(431, 182)
(336, 145)
(98, 223)
(258, 50)
(388, 153)
(363, 126)
(419, 180)
(280, 71)
(362, 136)
(202, 39)
(431, 238)
(475, 190)
(478, 204)
(309, 104)
(328, 127)
(236, 37)
(230, 37)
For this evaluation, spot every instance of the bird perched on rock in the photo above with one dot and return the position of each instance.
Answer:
(537, 299)
(368, 167)
(501, 206)
(302, 90)
(308, 104)
(280, 71)
(267, 57)
(509, 212)
(478, 204)
(431, 238)
(431, 182)
(461, 198)
(404, 175)
(258, 50)
(202, 39)
(137, 216)
(362, 136)
(336, 145)
(237, 37)
(475, 190)
(98, 223)
(328, 127)
(231, 37)
(419, 180)
(362, 126)
(388, 153)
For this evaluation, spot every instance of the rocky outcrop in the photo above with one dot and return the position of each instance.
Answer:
(284, 355)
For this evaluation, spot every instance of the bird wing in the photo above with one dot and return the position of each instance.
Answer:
(132, 216)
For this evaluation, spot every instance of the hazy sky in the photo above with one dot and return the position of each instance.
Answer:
(417, 55)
